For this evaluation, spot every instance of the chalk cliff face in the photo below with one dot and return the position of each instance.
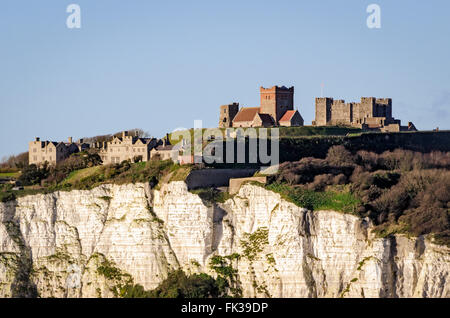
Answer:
(87, 243)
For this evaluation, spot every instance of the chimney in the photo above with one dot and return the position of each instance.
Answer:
(124, 134)
(70, 140)
(167, 139)
(81, 140)
(38, 139)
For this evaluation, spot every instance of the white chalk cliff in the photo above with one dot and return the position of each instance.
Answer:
(84, 243)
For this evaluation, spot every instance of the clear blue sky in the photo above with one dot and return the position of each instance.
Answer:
(159, 65)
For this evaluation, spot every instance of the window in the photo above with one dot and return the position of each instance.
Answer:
(34, 150)
(35, 157)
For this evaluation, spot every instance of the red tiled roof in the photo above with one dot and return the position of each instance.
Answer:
(246, 114)
(288, 115)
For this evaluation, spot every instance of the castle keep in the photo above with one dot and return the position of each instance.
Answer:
(371, 114)
(276, 109)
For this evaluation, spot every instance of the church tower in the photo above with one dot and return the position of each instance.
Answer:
(275, 101)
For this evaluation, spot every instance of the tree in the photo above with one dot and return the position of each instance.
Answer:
(179, 285)
(135, 132)
(33, 174)
(15, 162)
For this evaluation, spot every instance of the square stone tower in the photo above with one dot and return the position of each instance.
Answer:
(323, 111)
(227, 114)
(275, 101)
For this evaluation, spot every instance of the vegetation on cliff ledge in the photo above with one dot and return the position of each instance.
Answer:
(400, 191)
(83, 176)
(179, 285)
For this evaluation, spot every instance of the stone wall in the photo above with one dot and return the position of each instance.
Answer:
(323, 111)
(371, 112)
(215, 177)
(293, 149)
(341, 113)
(227, 114)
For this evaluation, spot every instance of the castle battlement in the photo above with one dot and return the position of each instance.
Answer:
(277, 89)
(370, 113)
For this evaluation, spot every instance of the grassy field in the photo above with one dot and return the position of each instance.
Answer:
(13, 175)
(338, 199)
(78, 175)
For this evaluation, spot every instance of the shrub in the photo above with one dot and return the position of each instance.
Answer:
(320, 182)
(6, 196)
(343, 200)
(179, 285)
(33, 174)
(134, 291)
(339, 156)
(211, 195)
(401, 191)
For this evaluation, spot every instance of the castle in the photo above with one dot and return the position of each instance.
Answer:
(276, 109)
(370, 114)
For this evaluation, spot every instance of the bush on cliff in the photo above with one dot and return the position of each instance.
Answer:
(33, 174)
(88, 178)
(401, 191)
(178, 285)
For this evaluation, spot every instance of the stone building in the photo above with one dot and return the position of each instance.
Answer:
(371, 114)
(52, 152)
(275, 103)
(126, 148)
(227, 113)
(291, 118)
(164, 150)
